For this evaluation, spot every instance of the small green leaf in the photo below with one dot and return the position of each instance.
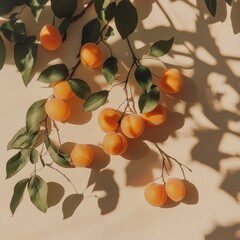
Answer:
(80, 88)
(110, 69)
(91, 31)
(64, 8)
(25, 56)
(36, 7)
(109, 12)
(148, 101)
(54, 73)
(162, 47)
(3, 52)
(34, 156)
(109, 33)
(100, 5)
(95, 100)
(36, 114)
(144, 77)
(64, 27)
(17, 162)
(126, 18)
(212, 6)
(38, 190)
(18, 194)
(229, 2)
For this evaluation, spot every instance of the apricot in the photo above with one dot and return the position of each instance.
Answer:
(155, 117)
(108, 119)
(81, 155)
(155, 194)
(171, 81)
(57, 109)
(50, 37)
(175, 189)
(132, 125)
(62, 90)
(114, 143)
(91, 55)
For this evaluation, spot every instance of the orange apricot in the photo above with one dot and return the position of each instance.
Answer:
(50, 37)
(155, 117)
(91, 55)
(57, 109)
(81, 155)
(155, 194)
(62, 90)
(175, 189)
(108, 119)
(114, 143)
(132, 125)
(171, 81)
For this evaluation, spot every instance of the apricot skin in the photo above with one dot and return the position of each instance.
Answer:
(62, 90)
(175, 189)
(81, 155)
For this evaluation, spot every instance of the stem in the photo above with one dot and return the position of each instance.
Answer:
(135, 59)
(77, 17)
(110, 50)
(57, 130)
(19, 14)
(74, 68)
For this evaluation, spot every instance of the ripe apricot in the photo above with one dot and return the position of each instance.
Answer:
(108, 119)
(91, 55)
(81, 155)
(114, 143)
(175, 189)
(155, 194)
(156, 117)
(50, 37)
(171, 81)
(132, 125)
(57, 109)
(62, 90)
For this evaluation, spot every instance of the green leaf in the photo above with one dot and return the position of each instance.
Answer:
(36, 7)
(95, 100)
(38, 190)
(18, 194)
(25, 56)
(229, 2)
(212, 6)
(91, 31)
(109, 12)
(144, 77)
(7, 6)
(126, 18)
(109, 33)
(14, 30)
(36, 114)
(162, 47)
(110, 69)
(148, 101)
(100, 5)
(64, 8)
(34, 156)
(3, 52)
(80, 88)
(64, 27)
(17, 162)
(54, 73)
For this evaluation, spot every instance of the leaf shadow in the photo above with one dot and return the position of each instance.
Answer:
(55, 193)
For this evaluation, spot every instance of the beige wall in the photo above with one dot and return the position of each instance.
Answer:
(202, 132)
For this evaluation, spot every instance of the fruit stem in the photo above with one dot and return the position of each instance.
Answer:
(75, 18)
(135, 59)
(74, 68)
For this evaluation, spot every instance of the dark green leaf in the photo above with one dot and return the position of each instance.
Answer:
(37, 6)
(6, 6)
(34, 156)
(126, 18)
(110, 69)
(80, 88)
(148, 101)
(64, 27)
(18, 194)
(64, 8)
(212, 6)
(3, 52)
(38, 190)
(144, 77)
(109, 33)
(95, 100)
(54, 73)
(100, 5)
(36, 114)
(162, 47)
(110, 11)
(25, 56)
(229, 2)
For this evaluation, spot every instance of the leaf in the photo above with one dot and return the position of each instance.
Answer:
(54, 73)
(80, 88)
(144, 77)
(148, 101)
(229, 2)
(25, 56)
(34, 156)
(109, 12)
(126, 18)
(212, 6)
(18, 194)
(36, 114)
(16, 163)
(100, 5)
(91, 31)
(38, 190)
(36, 7)
(3, 52)
(109, 33)
(162, 47)
(110, 69)
(63, 8)
(6, 6)
(64, 27)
